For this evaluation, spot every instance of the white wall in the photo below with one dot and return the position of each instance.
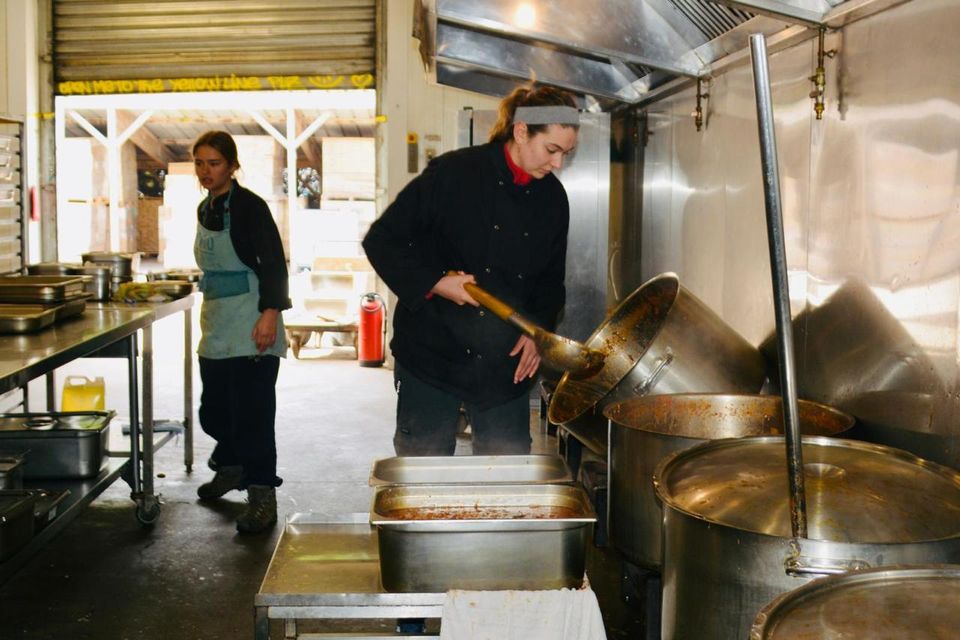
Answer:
(411, 105)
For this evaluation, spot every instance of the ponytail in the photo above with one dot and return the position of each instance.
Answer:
(527, 96)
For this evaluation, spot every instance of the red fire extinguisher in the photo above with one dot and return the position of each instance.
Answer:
(372, 331)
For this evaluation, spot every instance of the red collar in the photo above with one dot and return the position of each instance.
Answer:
(520, 177)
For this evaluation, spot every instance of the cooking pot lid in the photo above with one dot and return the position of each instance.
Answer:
(855, 491)
(622, 338)
(892, 602)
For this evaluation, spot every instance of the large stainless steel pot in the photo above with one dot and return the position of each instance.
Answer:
(121, 264)
(660, 338)
(645, 430)
(100, 279)
(891, 602)
(728, 547)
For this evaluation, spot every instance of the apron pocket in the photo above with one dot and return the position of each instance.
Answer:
(223, 284)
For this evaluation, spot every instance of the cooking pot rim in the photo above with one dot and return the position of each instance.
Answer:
(590, 394)
(667, 502)
(613, 412)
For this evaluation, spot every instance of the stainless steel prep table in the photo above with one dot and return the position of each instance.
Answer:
(109, 330)
(330, 570)
(160, 310)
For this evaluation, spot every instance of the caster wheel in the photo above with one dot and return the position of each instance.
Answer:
(147, 514)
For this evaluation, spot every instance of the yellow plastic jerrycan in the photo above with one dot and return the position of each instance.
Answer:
(82, 394)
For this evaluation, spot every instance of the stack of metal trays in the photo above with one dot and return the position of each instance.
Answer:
(31, 303)
(525, 522)
(22, 318)
(39, 289)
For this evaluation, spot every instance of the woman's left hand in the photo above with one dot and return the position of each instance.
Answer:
(529, 359)
(265, 330)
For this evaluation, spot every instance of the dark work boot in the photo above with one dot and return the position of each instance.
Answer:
(227, 479)
(261, 512)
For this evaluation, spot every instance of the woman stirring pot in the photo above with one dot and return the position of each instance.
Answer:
(496, 215)
(245, 288)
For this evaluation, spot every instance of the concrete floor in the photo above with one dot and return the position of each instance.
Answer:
(191, 575)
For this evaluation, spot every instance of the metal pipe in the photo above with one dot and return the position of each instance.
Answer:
(781, 290)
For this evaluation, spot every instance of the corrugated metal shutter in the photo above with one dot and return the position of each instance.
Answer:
(162, 39)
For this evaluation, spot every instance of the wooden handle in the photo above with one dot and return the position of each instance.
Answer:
(500, 308)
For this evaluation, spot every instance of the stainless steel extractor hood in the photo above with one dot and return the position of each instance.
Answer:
(614, 51)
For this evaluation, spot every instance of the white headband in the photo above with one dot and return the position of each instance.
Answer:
(547, 115)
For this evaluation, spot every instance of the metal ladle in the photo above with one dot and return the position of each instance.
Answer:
(558, 352)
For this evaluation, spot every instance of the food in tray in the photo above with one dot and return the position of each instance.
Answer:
(156, 291)
(484, 512)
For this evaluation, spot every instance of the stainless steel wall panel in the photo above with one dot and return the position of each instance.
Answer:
(871, 198)
(586, 178)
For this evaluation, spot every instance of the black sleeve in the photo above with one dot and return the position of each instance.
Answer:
(550, 294)
(270, 262)
(399, 243)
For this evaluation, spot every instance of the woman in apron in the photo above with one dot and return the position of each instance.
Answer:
(244, 288)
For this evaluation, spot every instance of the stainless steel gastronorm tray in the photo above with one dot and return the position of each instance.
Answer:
(438, 537)
(537, 469)
(73, 306)
(59, 444)
(25, 318)
(39, 289)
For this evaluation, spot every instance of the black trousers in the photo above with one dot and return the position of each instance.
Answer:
(427, 421)
(238, 406)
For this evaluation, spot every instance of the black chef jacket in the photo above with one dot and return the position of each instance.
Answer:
(255, 239)
(464, 213)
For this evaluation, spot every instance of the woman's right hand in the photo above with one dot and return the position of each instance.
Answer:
(451, 288)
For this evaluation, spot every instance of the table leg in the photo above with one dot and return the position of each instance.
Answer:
(134, 399)
(146, 420)
(295, 343)
(261, 624)
(188, 389)
(51, 392)
(148, 506)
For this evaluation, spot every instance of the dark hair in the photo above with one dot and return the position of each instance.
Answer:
(528, 96)
(222, 142)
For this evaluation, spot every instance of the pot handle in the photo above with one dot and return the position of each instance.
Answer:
(799, 566)
(659, 368)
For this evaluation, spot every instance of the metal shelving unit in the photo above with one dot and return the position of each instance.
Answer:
(13, 196)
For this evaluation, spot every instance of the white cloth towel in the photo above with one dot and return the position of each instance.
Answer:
(562, 614)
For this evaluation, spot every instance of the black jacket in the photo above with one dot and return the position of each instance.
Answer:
(255, 239)
(464, 213)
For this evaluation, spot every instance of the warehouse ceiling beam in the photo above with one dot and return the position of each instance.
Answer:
(311, 149)
(141, 136)
(89, 128)
(291, 142)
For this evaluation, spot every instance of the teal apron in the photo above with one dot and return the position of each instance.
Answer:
(230, 297)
